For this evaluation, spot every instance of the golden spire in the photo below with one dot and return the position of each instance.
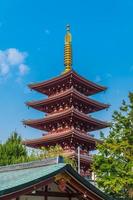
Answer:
(68, 50)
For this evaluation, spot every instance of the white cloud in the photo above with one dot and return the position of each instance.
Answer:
(23, 69)
(4, 69)
(15, 57)
(11, 59)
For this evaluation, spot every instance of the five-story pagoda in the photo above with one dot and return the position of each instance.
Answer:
(68, 121)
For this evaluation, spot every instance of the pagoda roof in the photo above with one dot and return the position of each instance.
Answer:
(54, 138)
(74, 114)
(45, 85)
(95, 105)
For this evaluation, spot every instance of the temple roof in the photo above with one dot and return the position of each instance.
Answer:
(91, 105)
(18, 179)
(74, 115)
(89, 86)
(51, 139)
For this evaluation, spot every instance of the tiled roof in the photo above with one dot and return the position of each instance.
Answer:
(16, 177)
(42, 86)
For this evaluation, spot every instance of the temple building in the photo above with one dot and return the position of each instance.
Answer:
(67, 122)
(49, 179)
(68, 108)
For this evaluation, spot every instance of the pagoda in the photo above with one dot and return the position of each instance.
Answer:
(67, 109)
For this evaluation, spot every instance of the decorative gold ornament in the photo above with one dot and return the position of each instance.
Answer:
(62, 179)
(68, 50)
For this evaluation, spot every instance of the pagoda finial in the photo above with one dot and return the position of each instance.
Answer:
(68, 50)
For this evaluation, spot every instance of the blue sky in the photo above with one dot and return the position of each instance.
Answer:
(31, 50)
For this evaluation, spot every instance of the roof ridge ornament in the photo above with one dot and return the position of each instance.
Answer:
(68, 50)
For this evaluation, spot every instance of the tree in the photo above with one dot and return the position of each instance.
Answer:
(54, 151)
(113, 165)
(12, 151)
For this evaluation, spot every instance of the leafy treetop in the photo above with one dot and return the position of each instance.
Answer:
(113, 165)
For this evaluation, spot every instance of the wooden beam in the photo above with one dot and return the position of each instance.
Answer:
(85, 193)
(46, 190)
(54, 194)
(67, 188)
(72, 186)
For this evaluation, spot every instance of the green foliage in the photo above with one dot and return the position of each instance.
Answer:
(12, 151)
(54, 151)
(51, 152)
(71, 161)
(113, 165)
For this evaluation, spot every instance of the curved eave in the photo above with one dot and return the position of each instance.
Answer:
(39, 123)
(39, 105)
(89, 83)
(58, 137)
(41, 86)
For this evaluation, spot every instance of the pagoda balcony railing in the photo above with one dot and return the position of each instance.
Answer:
(85, 173)
(86, 156)
(62, 130)
(60, 110)
(67, 90)
(70, 152)
(57, 111)
(67, 110)
(58, 92)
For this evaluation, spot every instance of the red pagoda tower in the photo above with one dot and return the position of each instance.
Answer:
(68, 121)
